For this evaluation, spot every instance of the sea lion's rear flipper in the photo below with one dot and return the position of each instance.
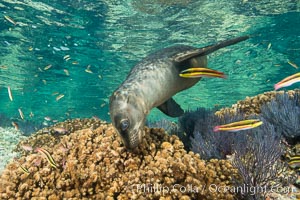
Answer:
(171, 108)
(182, 56)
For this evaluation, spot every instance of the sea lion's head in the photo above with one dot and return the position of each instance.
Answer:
(128, 119)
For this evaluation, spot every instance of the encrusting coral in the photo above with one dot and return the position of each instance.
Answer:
(52, 135)
(93, 164)
(252, 105)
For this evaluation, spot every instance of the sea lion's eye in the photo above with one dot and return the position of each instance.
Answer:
(124, 124)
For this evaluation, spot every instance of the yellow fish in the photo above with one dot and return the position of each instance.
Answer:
(288, 81)
(8, 18)
(294, 161)
(238, 126)
(24, 169)
(88, 69)
(59, 97)
(67, 57)
(48, 156)
(201, 72)
(47, 67)
(293, 64)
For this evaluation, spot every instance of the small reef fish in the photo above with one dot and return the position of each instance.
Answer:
(66, 72)
(59, 97)
(3, 67)
(64, 48)
(201, 72)
(21, 113)
(27, 147)
(269, 46)
(24, 169)
(8, 18)
(48, 156)
(288, 81)
(60, 130)
(47, 118)
(63, 148)
(293, 64)
(37, 162)
(238, 126)
(9, 93)
(47, 67)
(88, 70)
(16, 125)
(294, 161)
(102, 105)
(67, 57)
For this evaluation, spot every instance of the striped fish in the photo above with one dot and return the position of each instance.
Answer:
(48, 156)
(294, 161)
(238, 126)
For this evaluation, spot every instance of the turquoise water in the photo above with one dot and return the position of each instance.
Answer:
(92, 45)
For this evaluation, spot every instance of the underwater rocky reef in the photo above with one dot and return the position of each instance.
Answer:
(93, 164)
(85, 158)
(258, 154)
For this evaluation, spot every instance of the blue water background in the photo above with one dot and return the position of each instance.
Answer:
(112, 36)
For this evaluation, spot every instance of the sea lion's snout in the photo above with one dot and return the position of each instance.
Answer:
(128, 121)
(131, 136)
(132, 139)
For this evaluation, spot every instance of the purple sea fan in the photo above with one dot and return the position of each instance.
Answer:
(210, 144)
(192, 124)
(257, 160)
(284, 113)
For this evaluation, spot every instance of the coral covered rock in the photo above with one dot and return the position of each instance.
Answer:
(52, 135)
(93, 164)
(252, 105)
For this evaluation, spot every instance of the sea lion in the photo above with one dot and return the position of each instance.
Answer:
(152, 83)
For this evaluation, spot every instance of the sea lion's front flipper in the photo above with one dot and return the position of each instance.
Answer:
(171, 108)
(182, 56)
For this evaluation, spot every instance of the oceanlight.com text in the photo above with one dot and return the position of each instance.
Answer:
(242, 189)
(251, 190)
